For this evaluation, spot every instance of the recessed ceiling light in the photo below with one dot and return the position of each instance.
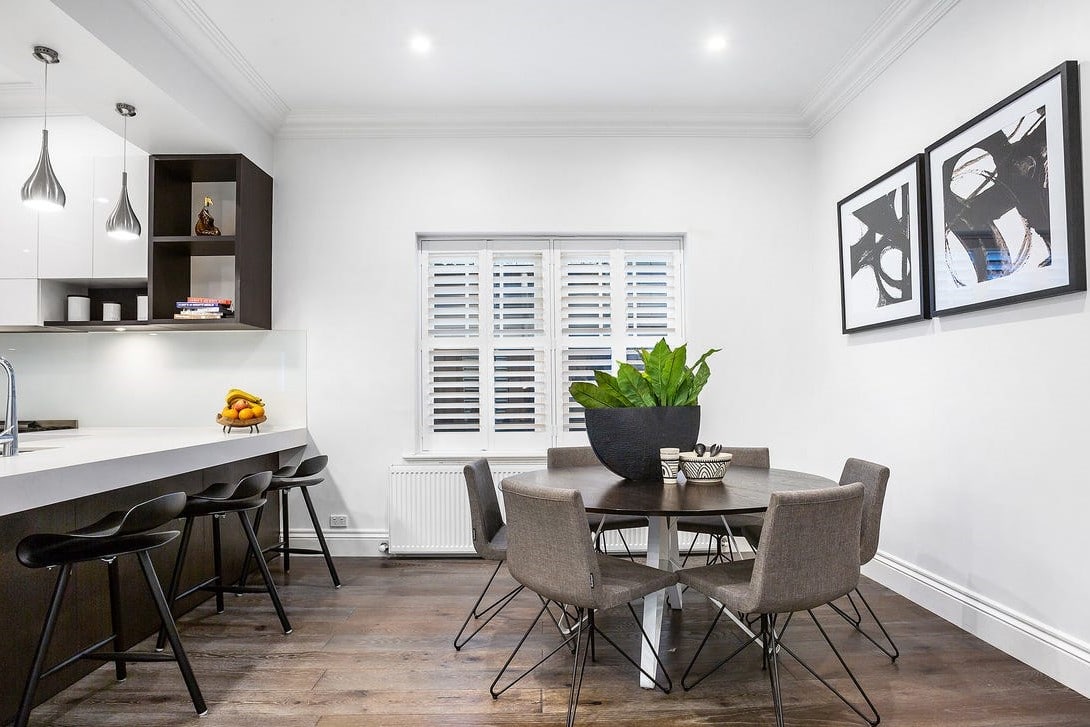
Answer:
(420, 43)
(716, 43)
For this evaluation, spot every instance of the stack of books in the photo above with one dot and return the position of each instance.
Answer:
(195, 308)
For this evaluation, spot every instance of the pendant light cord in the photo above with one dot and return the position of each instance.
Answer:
(124, 144)
(45, 99)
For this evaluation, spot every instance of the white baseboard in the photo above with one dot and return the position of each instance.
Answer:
(344, 542)
(1061, 656)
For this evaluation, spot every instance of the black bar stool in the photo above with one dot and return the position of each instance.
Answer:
(217, 501)
(119, 533)
(283, 481)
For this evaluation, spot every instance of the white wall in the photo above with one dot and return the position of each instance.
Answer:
(170, 378)
(348, 211)
(983, 416)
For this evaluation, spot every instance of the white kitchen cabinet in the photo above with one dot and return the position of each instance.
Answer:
(19, 302)
(64, 236)
(18, 224)
(119, 258)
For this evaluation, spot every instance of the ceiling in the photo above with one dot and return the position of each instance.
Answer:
(507, 67)
(555, 54)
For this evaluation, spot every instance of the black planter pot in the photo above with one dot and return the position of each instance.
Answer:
(627, 440)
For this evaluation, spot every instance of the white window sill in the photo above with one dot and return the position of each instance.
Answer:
(536, 457)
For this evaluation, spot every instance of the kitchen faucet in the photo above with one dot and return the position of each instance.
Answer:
(9, 438)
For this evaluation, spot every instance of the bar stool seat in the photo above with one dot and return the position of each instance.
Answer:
(217, 501)
(284, 480)
(117, 534)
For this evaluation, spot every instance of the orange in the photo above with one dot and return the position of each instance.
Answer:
(240, 404)
(230, 414)
(258, 410)
(246, 414)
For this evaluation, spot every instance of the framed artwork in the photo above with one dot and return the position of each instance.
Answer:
(882, 250)
(1005, 197)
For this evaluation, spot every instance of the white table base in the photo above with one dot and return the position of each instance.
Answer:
(662, 552)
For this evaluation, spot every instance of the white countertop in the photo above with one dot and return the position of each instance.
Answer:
(58, 466)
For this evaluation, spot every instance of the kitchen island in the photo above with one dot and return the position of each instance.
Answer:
(62, 480)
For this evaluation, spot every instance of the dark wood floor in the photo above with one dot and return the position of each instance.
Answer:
(378, 652)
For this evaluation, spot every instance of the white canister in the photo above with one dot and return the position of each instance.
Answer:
(142, 308)
(79, 308)
(111, 311)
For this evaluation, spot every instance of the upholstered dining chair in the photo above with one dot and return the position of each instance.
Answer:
(564, 457)
(550, 553)
(808, 557)
(713, 525)
(874, 477)
(489, 541)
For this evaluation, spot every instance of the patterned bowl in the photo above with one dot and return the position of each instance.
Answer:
(704, 469)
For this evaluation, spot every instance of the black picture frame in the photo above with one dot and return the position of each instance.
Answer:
(1020, 159)
(887, 214)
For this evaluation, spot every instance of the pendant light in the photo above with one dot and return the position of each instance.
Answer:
(42, 191)
(123, 223)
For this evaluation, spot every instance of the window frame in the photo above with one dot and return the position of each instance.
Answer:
(553, 342)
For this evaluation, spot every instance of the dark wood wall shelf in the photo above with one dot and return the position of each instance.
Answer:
(175, 188)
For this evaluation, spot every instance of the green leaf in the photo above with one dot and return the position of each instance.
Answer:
(634, 387)
(608, 382)
(654, 362)
(673, 370)
(707, 353)
(699, 379)
(684, 394)
(592, 396)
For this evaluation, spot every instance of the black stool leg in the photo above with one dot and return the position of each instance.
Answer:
(285, 536)
(321, 538)
(35, 675)
(115, 617)
(262, 566)
(172, 632)
(217, 560)
(176, 578)
(246, 560)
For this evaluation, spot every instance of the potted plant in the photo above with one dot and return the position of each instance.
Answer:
(632, 415)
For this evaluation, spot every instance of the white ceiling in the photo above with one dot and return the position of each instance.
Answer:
(555, 54)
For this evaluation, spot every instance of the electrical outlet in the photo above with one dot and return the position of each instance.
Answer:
(338, 521)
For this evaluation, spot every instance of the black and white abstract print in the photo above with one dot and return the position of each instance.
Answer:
(996, 204)
(880, 250)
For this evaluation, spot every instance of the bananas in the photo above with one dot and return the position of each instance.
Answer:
(235, 394)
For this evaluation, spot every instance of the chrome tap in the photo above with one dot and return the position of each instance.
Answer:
(9, 438)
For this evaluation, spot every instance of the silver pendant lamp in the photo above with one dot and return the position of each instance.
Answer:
(122, 223)
(42, 191)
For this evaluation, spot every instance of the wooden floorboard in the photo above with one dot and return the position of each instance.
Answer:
(378, 652)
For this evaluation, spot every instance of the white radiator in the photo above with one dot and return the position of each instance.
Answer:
(429, 511)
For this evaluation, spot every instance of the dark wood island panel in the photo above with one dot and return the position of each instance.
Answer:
(85, 618)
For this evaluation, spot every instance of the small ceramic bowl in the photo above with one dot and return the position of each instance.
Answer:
(704, 469)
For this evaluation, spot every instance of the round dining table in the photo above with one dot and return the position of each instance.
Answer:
(744, 490)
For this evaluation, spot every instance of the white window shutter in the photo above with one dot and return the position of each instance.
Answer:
(518, 295)
(651, 294)
(520, 388)
(453, 395)
(579, 364)
(453, 295)
(585, 294)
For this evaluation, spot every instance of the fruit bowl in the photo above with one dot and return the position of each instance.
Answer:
(232, 423)
(702, 469)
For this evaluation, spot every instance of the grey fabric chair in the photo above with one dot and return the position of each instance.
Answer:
(489, 540)
(550, 553)
(712, 525)
(808, 557)
(874, 477)
(564, 457)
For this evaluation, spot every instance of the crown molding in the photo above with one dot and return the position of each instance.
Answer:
(507, 122)
(895, 30)
(198, 36)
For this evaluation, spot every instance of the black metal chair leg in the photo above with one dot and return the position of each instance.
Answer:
(245, 576)
(664, 687)
(533, 624)
(579, 668)
(891, 654)
(321, 537)
(217, 560)
(176, 578)
(285, 536)
(771, 640)
(262, 566)
(498, 605)
(27, 702)
(120, 670)
(172, 632)
(700, 648)
(851, 675)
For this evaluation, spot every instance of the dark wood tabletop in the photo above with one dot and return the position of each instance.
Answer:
(743, 490)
